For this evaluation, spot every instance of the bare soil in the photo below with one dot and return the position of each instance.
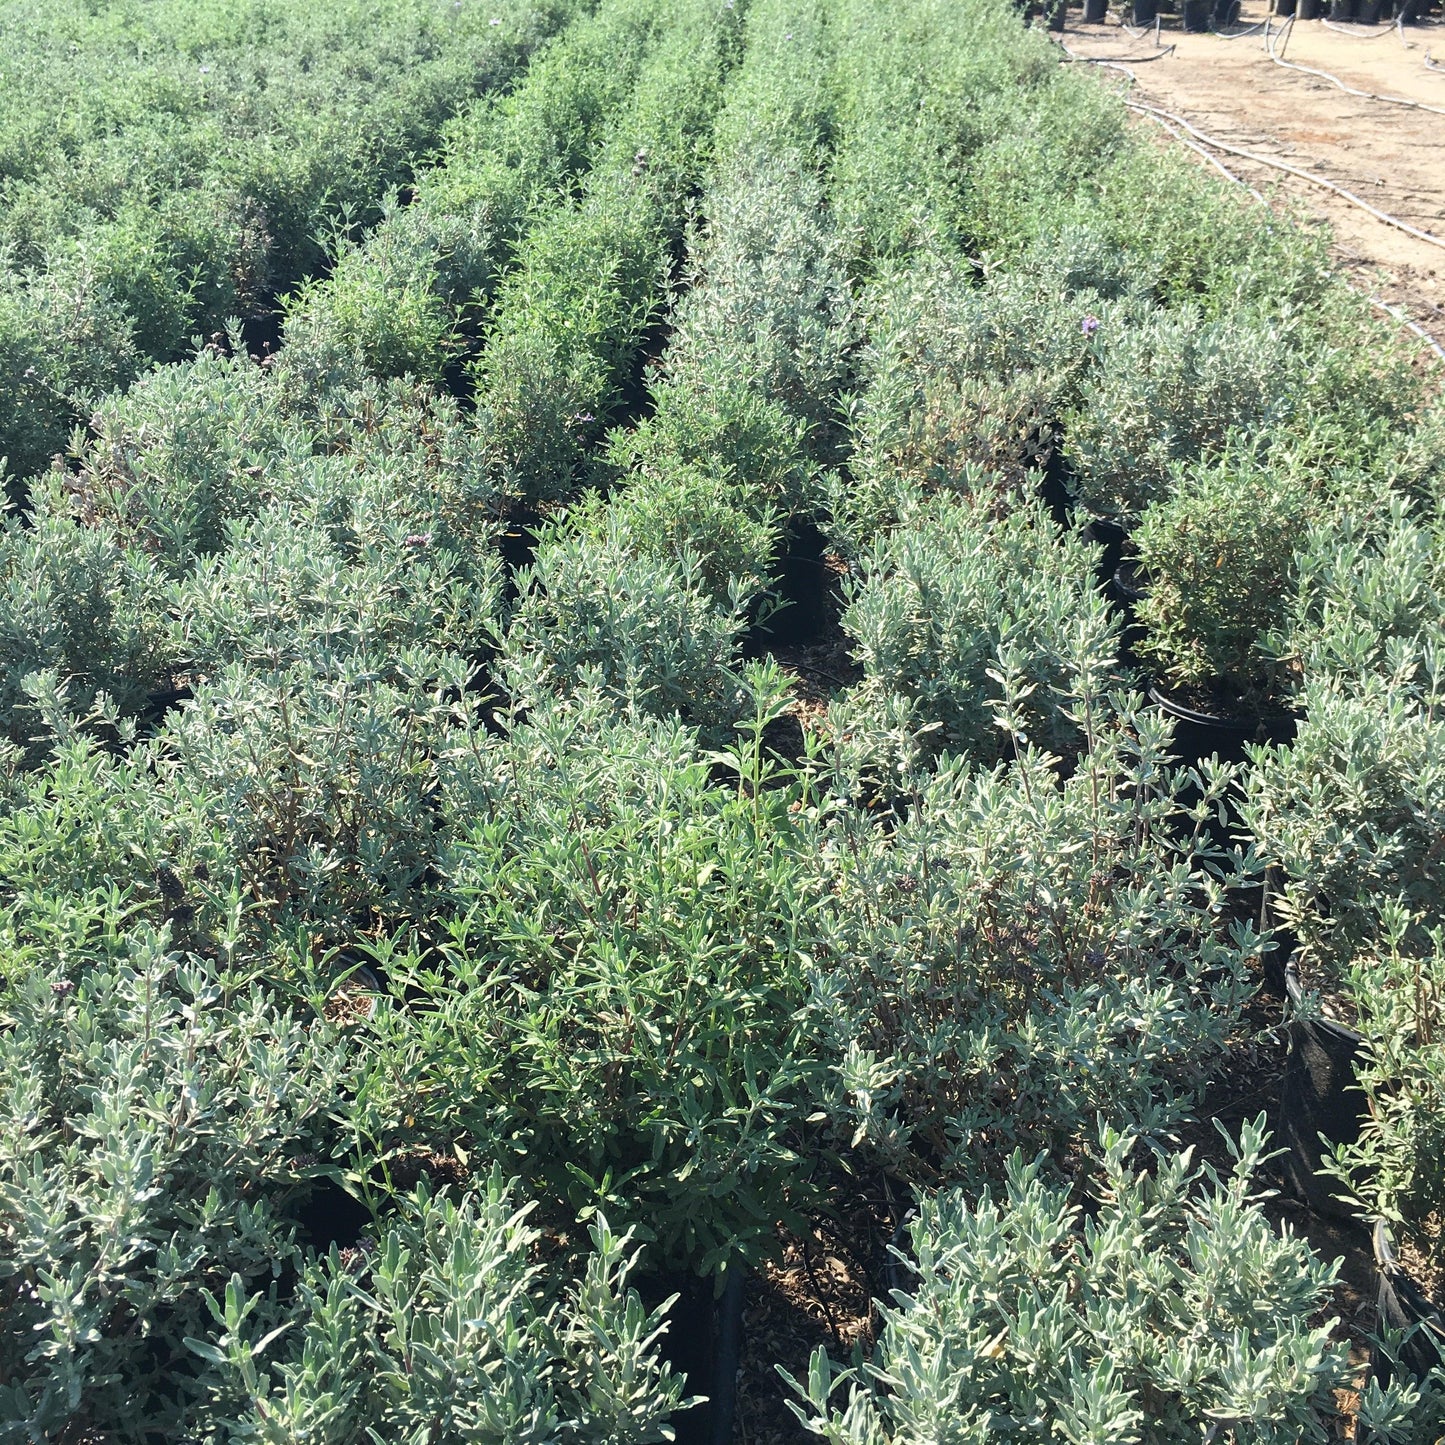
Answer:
(1392, 156)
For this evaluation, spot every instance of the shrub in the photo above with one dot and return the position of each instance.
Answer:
(684, 514)
(57, 335)
(1170, 387)
(383, 310)
(962, 375)
(400, 462)
(1018, 956)
(1170, 1306)
(1395, 985)
(710, 420)
(448, 1322)
(646, 627)
(1370, 597)
(773, 295)
(187, 449)
(321, 784)
(157, 1115)
(620, 1008)
(959, 594)
(1350, 815)
(1218, 555)
(74, 603)
(284, 594)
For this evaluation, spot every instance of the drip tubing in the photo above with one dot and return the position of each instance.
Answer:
(1212, 159)
(1335, 80)
(1390, 29)
(1402, 318)
(1132, 59)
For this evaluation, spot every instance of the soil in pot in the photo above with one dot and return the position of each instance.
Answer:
(1318, 1096)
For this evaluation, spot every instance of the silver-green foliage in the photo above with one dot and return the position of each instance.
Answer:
(285, 593)
(450, 1325)
(963, 372)
(1021, 955)
(1171, 1309)
(1170, 386)
(319, 784)
(1218, 552)
(159, 1117)
(966, 589)
(620, 1015)
(648, 627)
(76, 602)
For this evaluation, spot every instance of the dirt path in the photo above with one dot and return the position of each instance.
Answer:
(1389, 155)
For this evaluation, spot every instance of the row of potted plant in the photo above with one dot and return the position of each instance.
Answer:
(169, 170)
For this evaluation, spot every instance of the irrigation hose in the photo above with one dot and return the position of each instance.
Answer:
(1336, 81)
(1359, 34)
(1402, 318)
(1240, 34)
(1212, 159)
(1132, 59)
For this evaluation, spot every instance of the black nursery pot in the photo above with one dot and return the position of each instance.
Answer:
(1199, 734)
(1403, 1305)
(1311, 9)
(1284, 8)
(1095, 11)
(704, 1342)
(1318, 1096)
(1226, 12)
(1145, 12)
(1111, 537)
(1196, 15)
(1343, 10)
(1369, 12)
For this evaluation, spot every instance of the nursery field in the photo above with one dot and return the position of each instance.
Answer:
(719, 721)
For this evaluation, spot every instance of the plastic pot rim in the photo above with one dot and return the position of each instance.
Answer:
(1161, 698)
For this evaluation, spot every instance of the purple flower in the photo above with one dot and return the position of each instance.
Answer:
(417, 539)
(1089, 325)
(583, 417)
